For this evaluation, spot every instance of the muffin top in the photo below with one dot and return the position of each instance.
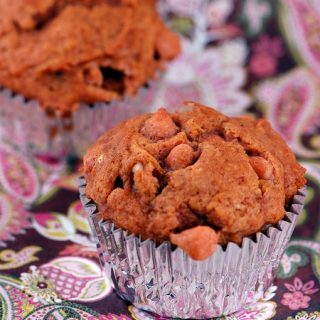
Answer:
(63, 52)
(195, 177)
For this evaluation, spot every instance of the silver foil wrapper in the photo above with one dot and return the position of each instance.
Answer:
(25, 124)
(167, 282)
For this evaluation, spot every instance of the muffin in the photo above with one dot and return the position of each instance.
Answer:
(65, 52)
(219, 188)
(162, 176)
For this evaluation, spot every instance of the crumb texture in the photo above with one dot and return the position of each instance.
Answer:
(63, 52)
(162, 176)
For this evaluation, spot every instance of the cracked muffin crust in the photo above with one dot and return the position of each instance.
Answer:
(63, 52)
(195, 177)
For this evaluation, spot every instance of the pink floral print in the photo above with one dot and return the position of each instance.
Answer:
(109, 317)
(264, 60)
(184, 8)
(299, 295)
(272, 46)
(262, 64)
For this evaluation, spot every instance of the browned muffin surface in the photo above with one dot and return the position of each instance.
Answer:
(161, 175)
(63, 52)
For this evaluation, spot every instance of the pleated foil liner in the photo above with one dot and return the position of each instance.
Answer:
(167, 282)
(25, 124)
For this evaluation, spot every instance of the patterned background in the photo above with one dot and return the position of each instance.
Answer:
(252, 56)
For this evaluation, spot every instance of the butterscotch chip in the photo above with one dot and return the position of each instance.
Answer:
(63, 52)
(192, 169)
(180, 156)
(159, 126)
(198, 242)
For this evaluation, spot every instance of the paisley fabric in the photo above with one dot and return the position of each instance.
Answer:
(260, 57)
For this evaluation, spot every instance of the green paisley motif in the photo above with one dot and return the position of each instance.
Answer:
(305, 315)
(262, 10)
(316, 265)
(36, 311)
(6, 303)
(182, 25)
(3, 308)
(65, 311)
(291, 261)
(313, 248)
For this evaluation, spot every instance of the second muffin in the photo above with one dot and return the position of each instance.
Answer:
(64, 52)
(59, 56)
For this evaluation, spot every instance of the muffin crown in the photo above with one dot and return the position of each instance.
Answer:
(163, 175)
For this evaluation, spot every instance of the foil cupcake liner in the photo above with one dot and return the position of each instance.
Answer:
(167, 282)
(25, 124)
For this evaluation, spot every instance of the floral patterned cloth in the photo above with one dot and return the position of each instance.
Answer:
(252, 56)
